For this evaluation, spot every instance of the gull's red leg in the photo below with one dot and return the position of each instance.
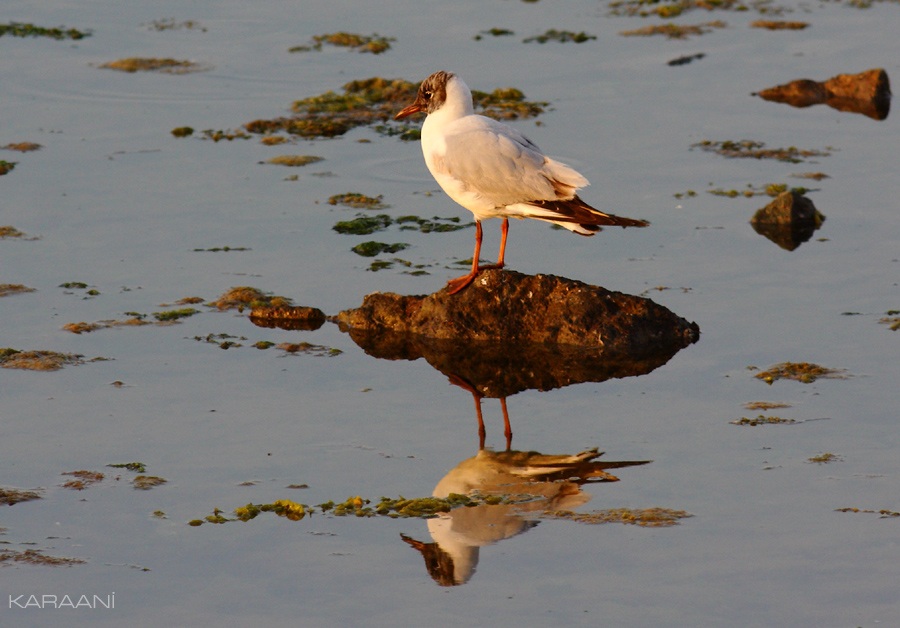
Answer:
(455, 285)
(507, 429)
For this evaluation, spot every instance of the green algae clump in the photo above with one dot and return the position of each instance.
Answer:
(374, 102)
(294, 161)
(757, 150)
(146, 482)
(10, 496)
(560, 36)
(363, 224)
(137, 467)
(37, 557)
(803, 372)
(19, 29)
(357, 200)
(375, 44)
(7, 289)
(36, 360)
(174, 315)
(762, 420)
(647, 517)
(245, 296)
(167, 66)
(372, 248)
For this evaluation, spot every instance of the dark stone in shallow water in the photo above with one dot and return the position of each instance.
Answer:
(514, 308)
(509, 332)
(788, 221)
(868, 93)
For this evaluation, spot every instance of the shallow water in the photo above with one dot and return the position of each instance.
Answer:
(118, 203)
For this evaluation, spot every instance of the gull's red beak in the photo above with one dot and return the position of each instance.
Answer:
(408, 111)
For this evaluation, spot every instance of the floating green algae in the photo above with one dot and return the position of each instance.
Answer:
(82, 479)
(647, 517)
(674, 8)
(803, 372)
(7, 289)
(560, 36)
(308, 348)
(891, 320)
(169, 24)
(824, 458)
(219, 135)
(137, 467)
(757, 150)
(173, 315)
(767, 189)
(363, 224)
(429, 507)
(19, 29)
(7, 166)
(8, 231)
(164, 65)
(765, 405)
(36, 557)
(674, 31)
(146, 482)
(10, 496)
(222, 249)
(374, 102)
(884, 512)
(375, 43)
(372, 248)
(37, 360)
(436, 224)
(23, 147)
(493, 32)
(294, 161)
(241, 297)
(762, 420)
(779, 25)
(357, 200)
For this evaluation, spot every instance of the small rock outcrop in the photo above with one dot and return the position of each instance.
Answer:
(509, 332)
(788, 221)
(513, 308)
(868, 93)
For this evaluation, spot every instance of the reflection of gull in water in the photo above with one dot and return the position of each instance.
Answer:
(537, 481)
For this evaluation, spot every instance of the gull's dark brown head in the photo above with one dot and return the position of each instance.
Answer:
(432, 94)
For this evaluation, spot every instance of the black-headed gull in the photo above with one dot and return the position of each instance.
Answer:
(494, 171)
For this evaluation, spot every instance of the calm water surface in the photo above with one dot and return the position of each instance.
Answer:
(116, 202)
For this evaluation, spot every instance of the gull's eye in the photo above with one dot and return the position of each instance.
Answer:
(427, 94)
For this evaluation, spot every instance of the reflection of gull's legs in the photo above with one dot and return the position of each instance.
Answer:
(456, 380)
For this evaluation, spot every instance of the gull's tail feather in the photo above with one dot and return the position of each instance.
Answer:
(576, 215)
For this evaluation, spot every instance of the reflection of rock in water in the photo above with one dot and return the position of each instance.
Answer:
(868, 93)
(788, 221)
(509, 332)
(498, 370)
(539, 482)
(288, 317)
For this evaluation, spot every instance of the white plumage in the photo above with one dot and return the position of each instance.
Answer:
(494, 171)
